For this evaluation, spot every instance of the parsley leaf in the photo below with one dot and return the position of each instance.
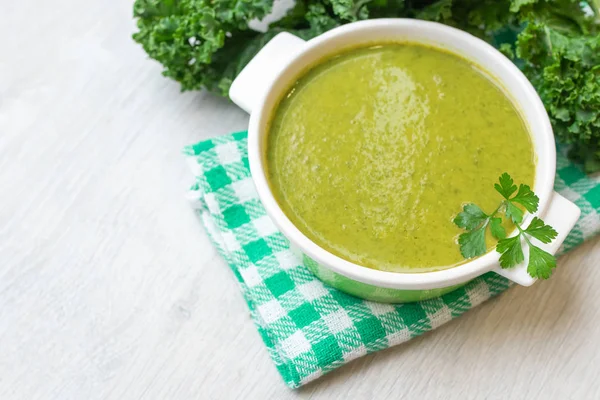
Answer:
(513, 212)
(512, 253)
(526, 198)
(539, 230)
(476, 221)
(506, 187)
(497, 229)
(472, 244)
(540, 263)
(471, 217)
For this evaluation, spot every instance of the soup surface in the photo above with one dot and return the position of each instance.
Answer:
(373, 152)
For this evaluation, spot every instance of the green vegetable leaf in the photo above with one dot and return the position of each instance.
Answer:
(475, 220)
(497, 229)
(556, 43)
(514, 213)
(560, 51)
(539, 230)
(438, 11)
(471, 217)
(506, 187)
(200, 43)
(540, 263)
(515, 5)
(526, 198)
(511, 251)
(507, 50)
(472, 244)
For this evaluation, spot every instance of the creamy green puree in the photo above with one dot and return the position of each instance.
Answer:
(373, 152)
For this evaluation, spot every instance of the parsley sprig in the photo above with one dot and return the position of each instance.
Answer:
(475, 221)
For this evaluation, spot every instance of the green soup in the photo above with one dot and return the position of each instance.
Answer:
(373, 152)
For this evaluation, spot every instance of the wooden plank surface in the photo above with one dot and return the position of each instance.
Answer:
(110, 289)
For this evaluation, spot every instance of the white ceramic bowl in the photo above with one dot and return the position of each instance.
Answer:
(261, 84)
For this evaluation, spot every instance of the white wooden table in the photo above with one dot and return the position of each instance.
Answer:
(110, 289)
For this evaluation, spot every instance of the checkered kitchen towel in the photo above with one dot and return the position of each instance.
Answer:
(308, 327)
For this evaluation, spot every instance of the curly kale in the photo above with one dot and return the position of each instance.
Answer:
(206, 43)
(562, 61)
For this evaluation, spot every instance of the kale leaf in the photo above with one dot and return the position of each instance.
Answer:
(206, 43)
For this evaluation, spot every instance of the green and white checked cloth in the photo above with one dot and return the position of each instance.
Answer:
(308, 327)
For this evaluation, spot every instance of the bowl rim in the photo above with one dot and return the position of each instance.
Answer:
(540, 129)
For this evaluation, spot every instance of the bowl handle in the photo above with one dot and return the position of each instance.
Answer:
(562, 215)
(251, 84)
